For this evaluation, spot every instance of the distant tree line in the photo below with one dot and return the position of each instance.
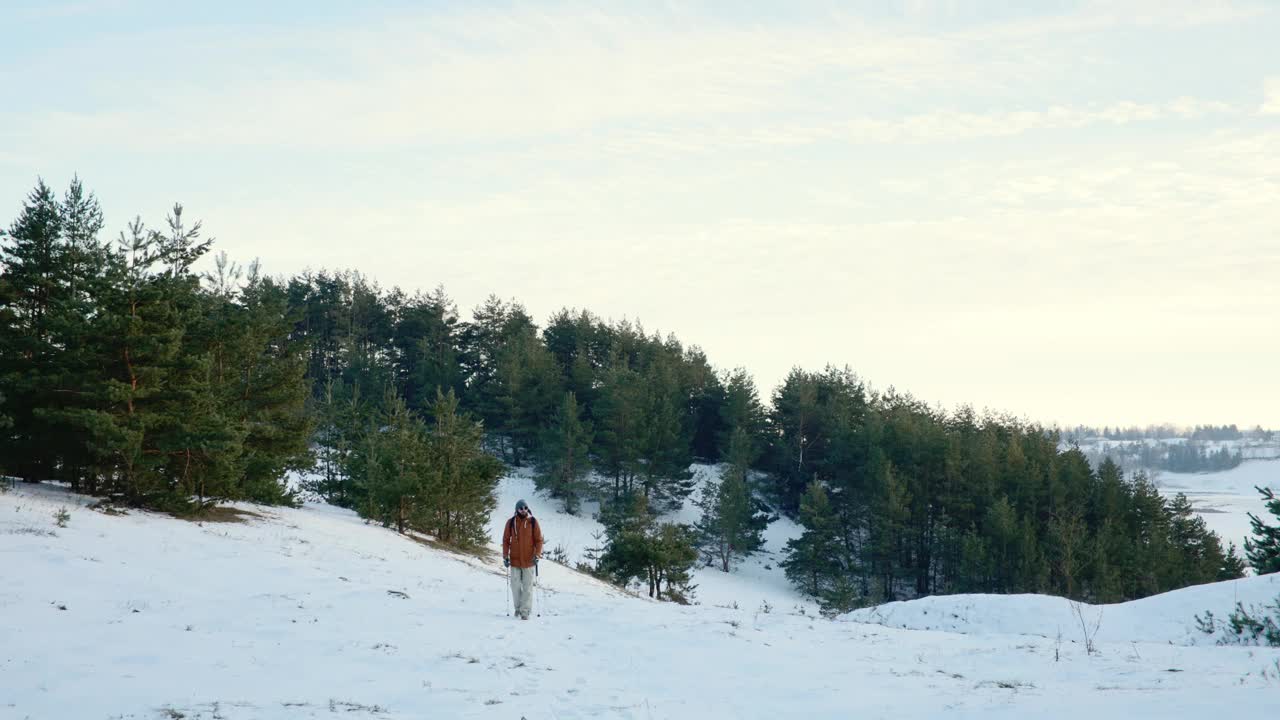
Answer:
(126, 374)
(1199, 433)
(1178, 457)
(1192, 458)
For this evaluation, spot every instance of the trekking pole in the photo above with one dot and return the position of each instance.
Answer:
(510, 600)
(539, 595)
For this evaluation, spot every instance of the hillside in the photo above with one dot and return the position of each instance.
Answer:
(311, 613)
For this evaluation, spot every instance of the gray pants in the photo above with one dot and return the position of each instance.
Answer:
(522, 590)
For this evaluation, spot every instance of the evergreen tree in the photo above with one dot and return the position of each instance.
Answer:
(794, 423)
(565, 461)
(673, 555)
(628, 524)
(742, 410)
(733, 522)
(425, 352)
(153, 402)
(665, 451)
(889, 527)
(1197, 553)
(494, 326)
(580, 344)
(341, 420)
(436, 480)
(619, 423)
(466, 476)
(35, 261)
(1263, 549)
(393, 468)
(531, 387)
(74, 371)
(813, 560)
(638, 547)
(1233, 566)
(260, 374)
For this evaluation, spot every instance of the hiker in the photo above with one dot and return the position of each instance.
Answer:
(521, 548)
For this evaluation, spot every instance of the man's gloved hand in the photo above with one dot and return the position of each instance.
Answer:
(506, 562)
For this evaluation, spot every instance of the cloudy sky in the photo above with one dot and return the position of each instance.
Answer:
(1065, 210)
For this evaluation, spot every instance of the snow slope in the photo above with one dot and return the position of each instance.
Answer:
(289, 615)
(1224, 499)
(1167, 618)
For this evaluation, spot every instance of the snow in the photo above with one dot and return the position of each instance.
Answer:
(1225, 499)
(1166, 618)
(288, 615)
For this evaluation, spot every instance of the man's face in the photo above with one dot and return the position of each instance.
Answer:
(522, 512)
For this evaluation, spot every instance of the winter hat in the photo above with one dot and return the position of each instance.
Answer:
(520, 504)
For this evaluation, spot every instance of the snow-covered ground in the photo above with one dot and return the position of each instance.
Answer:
(1156, 619)
(311, 613)
(1224, 499)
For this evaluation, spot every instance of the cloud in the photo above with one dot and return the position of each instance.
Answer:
(620, 83)
(488, 76)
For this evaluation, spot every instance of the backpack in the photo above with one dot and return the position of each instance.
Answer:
(511, 523)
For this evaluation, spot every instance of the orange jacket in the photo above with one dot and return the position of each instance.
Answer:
(522, 541)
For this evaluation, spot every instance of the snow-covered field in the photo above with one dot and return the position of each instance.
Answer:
(311, 613)
(1224, 499)
(1156, 619)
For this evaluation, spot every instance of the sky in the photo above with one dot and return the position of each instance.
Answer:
(1067, 211)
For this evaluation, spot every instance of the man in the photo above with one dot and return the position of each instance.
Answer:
(521, 548)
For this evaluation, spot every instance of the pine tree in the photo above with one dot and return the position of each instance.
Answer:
(618, 427)
(662, 555)
(794, 421)
(393, 469)
(140, 419)
(812, 560)
(34, 258)
(464, 473)
(733, 522)
(1197, 552)
(260, 371)
(673, 555)
(433, 479)
(565, 460)
(495, 326)
(341, 420)
(889, 526)
(1263, 549)
(628, 524)
(743, 411)
(425, 349)
(1069, 544)
(75, 373)
(1233, 566)
(665, 449)
(530, 390)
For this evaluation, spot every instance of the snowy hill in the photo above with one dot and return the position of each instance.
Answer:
(311, 613)
(1167, 618)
